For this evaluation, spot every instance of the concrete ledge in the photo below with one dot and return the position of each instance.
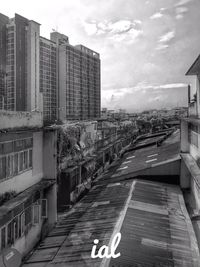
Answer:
(14, 119)
(192, 167)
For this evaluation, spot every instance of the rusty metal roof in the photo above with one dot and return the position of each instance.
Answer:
(157, 230)
(155, 226)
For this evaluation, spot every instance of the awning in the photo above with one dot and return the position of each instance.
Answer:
(21, 198)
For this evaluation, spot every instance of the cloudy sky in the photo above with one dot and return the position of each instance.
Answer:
(146, 46)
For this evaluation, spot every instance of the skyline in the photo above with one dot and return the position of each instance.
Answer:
(146, 47)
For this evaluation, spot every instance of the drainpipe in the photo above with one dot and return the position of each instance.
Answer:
(189, 94)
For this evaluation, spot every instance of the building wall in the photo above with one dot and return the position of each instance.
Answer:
(3, 30)
(37, 157)
(10, 95)
(48, 78)
(13, 119)
(33, 63)
(62, 106)
(30, 175)
(21, 38)
(21, 26)
(79, 82)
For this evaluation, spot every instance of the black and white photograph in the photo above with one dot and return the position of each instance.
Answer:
(100, 133)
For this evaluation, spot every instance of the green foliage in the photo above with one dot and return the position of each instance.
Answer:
(7, 196)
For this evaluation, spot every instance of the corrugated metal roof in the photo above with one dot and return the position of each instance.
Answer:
(94, 217)
(157, 230)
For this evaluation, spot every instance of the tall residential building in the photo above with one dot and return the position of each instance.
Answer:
(3, 22)
(48, 78)
(20, 44)
(52, 76)
(79, 80)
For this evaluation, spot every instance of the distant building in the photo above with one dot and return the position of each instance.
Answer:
(27, 180)
(20, 63)
(52, 76)
(48, 79)
(79, 80)
(3, 30)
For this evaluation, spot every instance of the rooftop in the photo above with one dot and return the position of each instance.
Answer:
(195, 68)
(147, 156)
(151, 216)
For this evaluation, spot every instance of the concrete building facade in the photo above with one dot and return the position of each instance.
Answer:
(48, 79)
(190, 152)
(27, 180)
(3, 22)
(52, 76)
(79, 80)
(19, 63)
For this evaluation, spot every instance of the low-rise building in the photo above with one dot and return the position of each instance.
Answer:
(190, 152)
(27, 180)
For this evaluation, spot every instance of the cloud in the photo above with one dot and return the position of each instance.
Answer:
(121, 30)
(90, 28)
(120, 26)
(156, 15)
(157, 96)
(162, 46)
(171, 85)
(144, 85)
(180, 11)
(167, 37)
(183, 2)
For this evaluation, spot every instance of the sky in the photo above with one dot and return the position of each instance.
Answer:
(146, 46)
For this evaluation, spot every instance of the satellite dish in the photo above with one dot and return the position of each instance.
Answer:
(11, 258)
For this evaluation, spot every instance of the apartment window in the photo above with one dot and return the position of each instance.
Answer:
(16, 227)
(15, 166)
(3, 237)
(44, 208)
(28, 215)
(10, 233)
(30, 158)
(21, 160)
(14, 163)
(36, 214)
(21, 224)
(2, 167)
(25, 158)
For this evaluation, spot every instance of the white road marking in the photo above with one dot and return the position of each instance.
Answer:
(152, 155)
(131, 157)
(123, 168)
(147, 161)
(126, 162)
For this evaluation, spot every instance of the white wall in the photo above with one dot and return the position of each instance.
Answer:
(29, 177)
(33, 61)
(17, 183)
(13, 119)
(62, 83)
(37, 156)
